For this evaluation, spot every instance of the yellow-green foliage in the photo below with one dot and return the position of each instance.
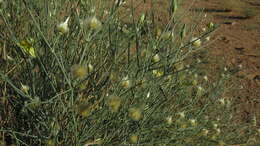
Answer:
(91, 78)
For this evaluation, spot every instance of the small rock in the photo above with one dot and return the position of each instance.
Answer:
(233, 23)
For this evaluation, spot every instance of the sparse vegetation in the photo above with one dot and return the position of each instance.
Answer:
(81, 73)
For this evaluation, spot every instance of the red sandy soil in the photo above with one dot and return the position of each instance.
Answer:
(235, 45)
(237, 42)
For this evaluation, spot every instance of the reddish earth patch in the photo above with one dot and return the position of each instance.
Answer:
(234, 45)
(237, 44)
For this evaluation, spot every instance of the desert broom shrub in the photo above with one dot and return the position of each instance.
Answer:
(91, 78)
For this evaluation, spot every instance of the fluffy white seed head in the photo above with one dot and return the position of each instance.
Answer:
(63, 27)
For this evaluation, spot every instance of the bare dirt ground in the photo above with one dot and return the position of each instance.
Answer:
(237, 44)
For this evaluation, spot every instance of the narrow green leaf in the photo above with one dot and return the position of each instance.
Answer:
(173, 7)
(183, 31)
